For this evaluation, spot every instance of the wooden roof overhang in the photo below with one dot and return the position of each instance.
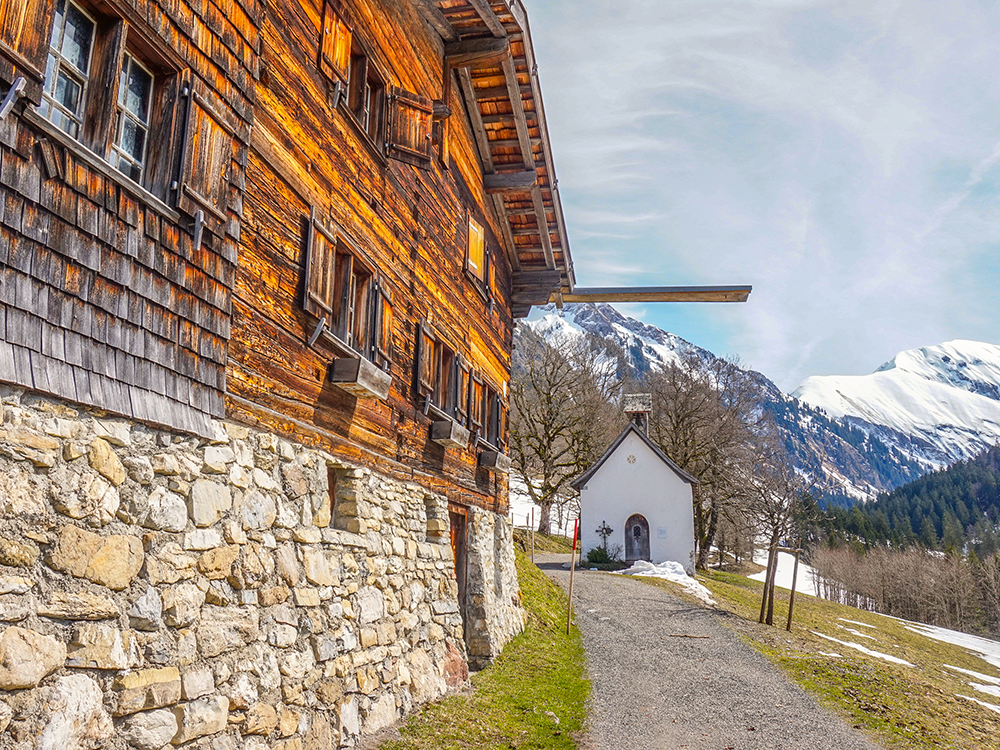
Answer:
(488, 45)
(659, 294)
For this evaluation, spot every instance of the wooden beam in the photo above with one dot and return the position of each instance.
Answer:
(510, 182)
(512, 256)
(485, 11)
(535, 287)
(543, 226)
(525, 279)
(660, 294)
(508, 142)
(516, 105)
(476, 121)
(499, 92)
(433, 15)
(470, 53)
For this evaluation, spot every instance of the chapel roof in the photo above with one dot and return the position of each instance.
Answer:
(631, 428)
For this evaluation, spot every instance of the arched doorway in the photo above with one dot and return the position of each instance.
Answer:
(636, 539)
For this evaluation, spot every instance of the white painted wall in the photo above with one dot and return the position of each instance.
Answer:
(647, 486)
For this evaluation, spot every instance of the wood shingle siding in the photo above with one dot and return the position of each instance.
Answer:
(108, 302)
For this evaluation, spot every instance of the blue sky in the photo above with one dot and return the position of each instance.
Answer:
(842, 157)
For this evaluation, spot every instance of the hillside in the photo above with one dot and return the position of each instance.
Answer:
(945, 509)
(846, 462)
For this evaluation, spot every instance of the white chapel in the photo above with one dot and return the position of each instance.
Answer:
(638, 497)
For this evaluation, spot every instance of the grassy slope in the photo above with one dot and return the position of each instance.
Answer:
(539, 671)
(543, 542)
(903, 707)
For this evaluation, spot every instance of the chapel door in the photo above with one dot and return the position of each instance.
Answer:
(636, 539)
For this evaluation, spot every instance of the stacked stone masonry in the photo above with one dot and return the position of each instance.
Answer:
(161, 590)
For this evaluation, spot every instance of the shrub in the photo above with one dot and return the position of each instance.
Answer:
(598, 555)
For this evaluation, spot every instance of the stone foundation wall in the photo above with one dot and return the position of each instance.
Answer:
(493, 597)
(162, 590)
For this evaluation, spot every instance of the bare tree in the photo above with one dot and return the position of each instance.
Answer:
(561, 417)
(706, 417)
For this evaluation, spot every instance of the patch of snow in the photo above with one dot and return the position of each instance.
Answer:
(862, 649)
(670, 571)
(990, 706)
(520, 508)
(977, 675)
(858, 633)
(834, 654)
(987, 650)
(988, 689)
(805, 582)
(855, 622)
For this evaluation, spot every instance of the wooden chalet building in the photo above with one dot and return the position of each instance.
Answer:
(261, 260)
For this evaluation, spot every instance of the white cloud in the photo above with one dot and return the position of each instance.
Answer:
(843, 157)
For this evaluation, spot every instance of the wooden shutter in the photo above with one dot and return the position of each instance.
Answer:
(477, 400)
(409, 136)
(383, 329)
(321, 249)
(462, 391)
(335, 44)
(206, 163)
(488, 272)
(25, 28)
(493, 428)
(345, 274)
(454, 388)
(475, 259)
(426, 359)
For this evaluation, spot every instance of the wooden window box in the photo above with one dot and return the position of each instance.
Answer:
(495, 462)
(450, 434)
(360, 378)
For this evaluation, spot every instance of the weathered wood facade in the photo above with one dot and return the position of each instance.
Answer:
(319, 216)
(107, 298)
(401, 191)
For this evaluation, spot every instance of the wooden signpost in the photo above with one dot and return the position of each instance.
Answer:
(572, 565)
(532, 522)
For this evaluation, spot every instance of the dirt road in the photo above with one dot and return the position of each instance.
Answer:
(653, 691)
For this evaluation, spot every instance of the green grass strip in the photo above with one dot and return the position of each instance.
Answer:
(539, 674)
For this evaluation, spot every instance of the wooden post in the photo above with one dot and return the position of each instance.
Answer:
(767, 578)
(770, 589)
(791, 599)
(572, 565)
(532, 526)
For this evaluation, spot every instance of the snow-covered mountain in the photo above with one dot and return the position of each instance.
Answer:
(937, 403)
(849, 459)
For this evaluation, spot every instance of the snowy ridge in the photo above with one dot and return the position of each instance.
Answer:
(848, 459)
(944, 400)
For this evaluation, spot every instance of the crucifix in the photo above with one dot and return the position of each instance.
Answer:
(604, 531)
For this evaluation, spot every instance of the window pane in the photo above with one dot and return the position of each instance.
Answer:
(135, 86)
(140, 84)
(127, 168)
(67, 92)
(133, 139)
(66, 67)
(57, 26)
(77, 39)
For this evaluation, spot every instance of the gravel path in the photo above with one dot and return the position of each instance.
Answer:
(652, 691)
